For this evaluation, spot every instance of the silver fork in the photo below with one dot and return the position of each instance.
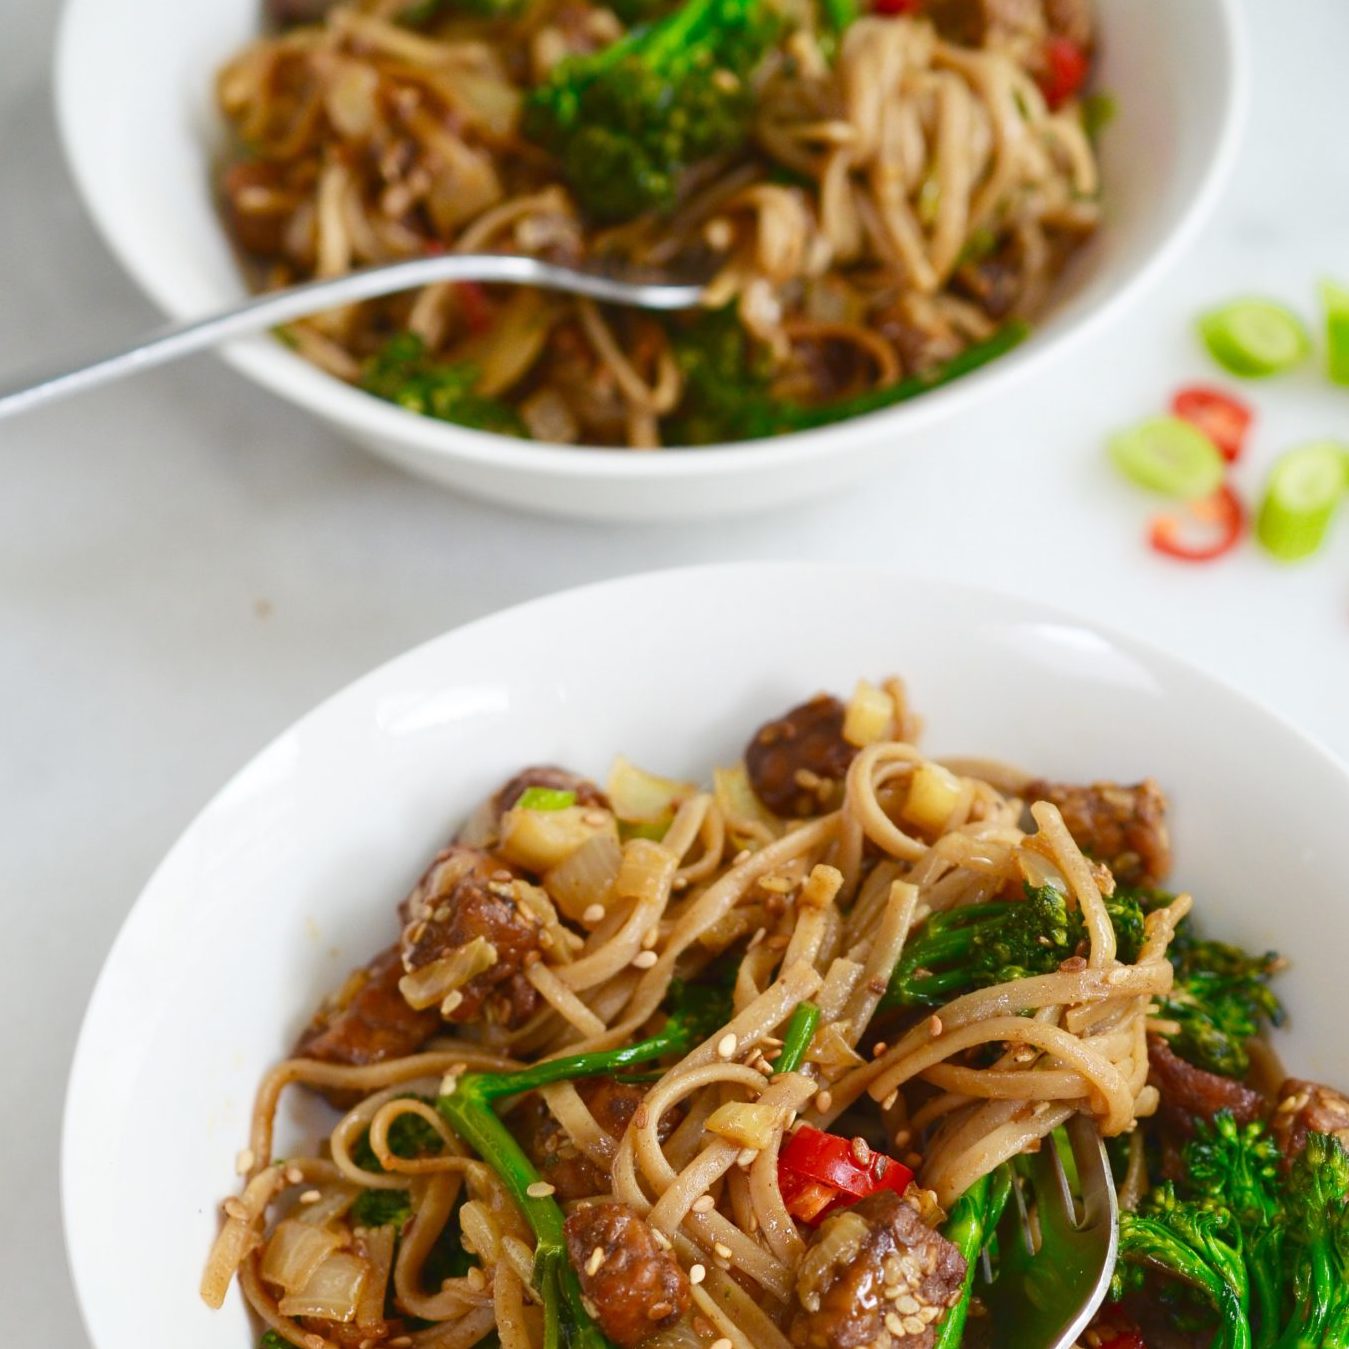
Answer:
(1055, 1256)
(643, 290)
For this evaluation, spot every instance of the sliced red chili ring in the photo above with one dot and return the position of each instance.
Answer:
(1223, 419)
(1223, 510)
(1066, 68)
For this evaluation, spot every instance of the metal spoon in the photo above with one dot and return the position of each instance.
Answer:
(641, 290)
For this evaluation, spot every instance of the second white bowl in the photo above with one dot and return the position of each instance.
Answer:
(135, 82)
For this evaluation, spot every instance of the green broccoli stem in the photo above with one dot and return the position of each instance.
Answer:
(807, 418)
(468, 1111)
(684, 1029)
(797, 1037)
(971, 1224)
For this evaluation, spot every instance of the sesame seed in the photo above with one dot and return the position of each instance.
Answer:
(878, 1049)
(593, 914)
(861, 1152)
(889, 1102)
(661, 1239)
(651, 938)
(644, 960)
(595, 1260)
(726, 1045)
(746, 1157)
(452, 1001)
(893, 1324)
(697, 1273)
(477, 1280)
(540, 1190)
(759, 934)
(243, 1163)
(658, 1311)
(721, 1250)
(294, 1175)
(704, 1204)
(722, 1343)
(234, 1208)
(449, 1084)
(902, 1137)
(310, 1197)
(934, 1025)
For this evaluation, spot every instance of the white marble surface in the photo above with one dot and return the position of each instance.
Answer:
(186, 565)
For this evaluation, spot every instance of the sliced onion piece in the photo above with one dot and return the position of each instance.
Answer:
(333, 1290)
(294, 1251)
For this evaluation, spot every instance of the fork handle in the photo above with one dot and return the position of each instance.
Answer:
(36, 387)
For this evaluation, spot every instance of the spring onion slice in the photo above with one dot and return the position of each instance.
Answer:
(1254, 338)
(1170, 456)
(1300, 499)
(1335, 302)
(545, 798)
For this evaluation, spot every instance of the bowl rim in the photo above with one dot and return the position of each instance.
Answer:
(726, 577)
(288, 375)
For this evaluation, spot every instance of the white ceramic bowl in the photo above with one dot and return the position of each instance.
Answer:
(291, 875)
(135, 88)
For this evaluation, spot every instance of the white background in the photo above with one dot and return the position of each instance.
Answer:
(186, 565)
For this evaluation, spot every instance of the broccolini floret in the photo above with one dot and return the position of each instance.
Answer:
(380, 1208)
(1219, 1000)
(626, 122)
(1270, 1256)
(999, 940)
(1197, 1242)
(402, 372)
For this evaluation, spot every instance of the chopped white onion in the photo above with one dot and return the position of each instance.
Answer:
(333, 1290)
(586, 877)
(294, 1251)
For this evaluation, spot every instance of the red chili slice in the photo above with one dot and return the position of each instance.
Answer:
(892, 8)
(819, 1172)
(1223, 510)
(474, 306)
(1223, 419)
(1126, 1339)
(1066, 68)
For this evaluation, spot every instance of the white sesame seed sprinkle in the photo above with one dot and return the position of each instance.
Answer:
(726, 1045)
(644, 960)
(721, 1250)
(697, 1273)
(704, 1204)
(594, 913)
(540, 1190)
(310, 1197)
(243, 1163)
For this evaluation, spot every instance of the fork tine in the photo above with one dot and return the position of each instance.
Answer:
(1046, 1299)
